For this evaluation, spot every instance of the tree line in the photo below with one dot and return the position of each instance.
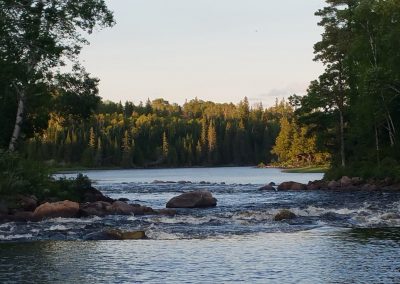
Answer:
(158, 133)
(353, 107)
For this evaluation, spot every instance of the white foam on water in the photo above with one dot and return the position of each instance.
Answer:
(184, 219)
(15, 237)
(58, 228)
(155, 234)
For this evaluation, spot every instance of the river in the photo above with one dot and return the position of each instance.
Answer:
(338, 237)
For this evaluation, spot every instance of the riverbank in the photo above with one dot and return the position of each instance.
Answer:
(310, 169)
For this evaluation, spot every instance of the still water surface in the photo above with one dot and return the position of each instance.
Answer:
(338, 237)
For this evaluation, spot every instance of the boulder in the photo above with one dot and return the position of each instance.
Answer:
(92, 195)
(356, 180)
(345, 181)
(291, 185)
(27, 203)
(267, 187)
(63, 209)
(116, 234)
(120, 208)
(98, 208)
(193, 199)
(123, 199)
(317, 185)
(333, 184)
(143, 210)
(272, 183)
(284, 215)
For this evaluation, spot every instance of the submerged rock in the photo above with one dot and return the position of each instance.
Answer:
(291, 185)
(284, 215)
(193, 199)
(267, 187)
(167, 211)
(117, 234)
(63, 209)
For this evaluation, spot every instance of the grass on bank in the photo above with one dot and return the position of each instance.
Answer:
(309, 169)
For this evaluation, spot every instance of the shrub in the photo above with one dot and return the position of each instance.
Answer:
(27, 177)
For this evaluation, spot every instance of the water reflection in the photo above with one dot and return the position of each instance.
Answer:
(316, 256)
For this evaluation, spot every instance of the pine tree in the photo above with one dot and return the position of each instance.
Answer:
(165, 146)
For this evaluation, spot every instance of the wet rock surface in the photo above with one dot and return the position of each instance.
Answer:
(194, 199)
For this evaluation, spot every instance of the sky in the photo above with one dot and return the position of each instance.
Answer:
(218, 50)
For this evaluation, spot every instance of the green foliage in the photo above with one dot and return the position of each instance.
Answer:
(353, 108)
(161, 134)
(27, 177)
(37, 39)
(20, 176)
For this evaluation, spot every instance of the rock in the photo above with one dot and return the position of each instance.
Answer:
(267, 187)
(345, 181)
(143, 210)
(123, 199)
(3, 208)
(333, 184)
(356, 180)
(284, 215)
(93, 195)
(63, 209)
(98, 208)
(120, 208)
(317, 185)
(23, 216)
(116, 234)
(291, 185)
(194, 199)
(27, 203)
(272, 183)
(168, 212)
(369, 187)
(184, 182)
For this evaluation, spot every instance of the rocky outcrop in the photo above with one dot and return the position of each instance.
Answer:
(63, 209)
(291, 185)
(284, 215)
(194, 199)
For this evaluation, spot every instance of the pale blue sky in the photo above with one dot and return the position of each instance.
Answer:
(219, 50)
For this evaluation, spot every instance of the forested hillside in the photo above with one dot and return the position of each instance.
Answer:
(161, 134)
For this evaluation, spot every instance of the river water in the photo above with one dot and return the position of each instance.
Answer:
(338, 237)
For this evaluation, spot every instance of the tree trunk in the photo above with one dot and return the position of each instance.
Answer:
(378, 159)
(18, 121)
(342, 150)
